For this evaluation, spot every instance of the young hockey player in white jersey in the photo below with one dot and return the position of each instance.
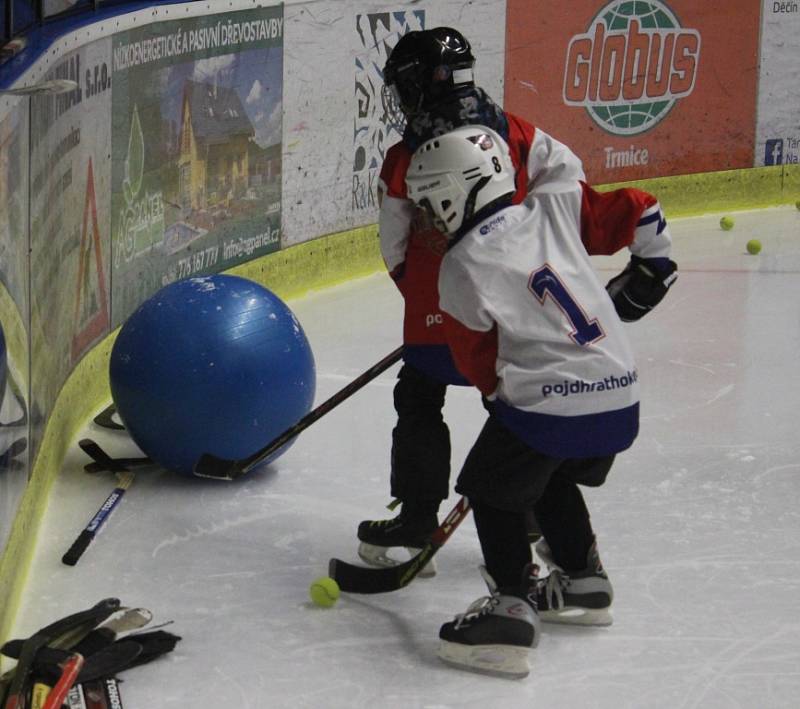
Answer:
(529, 323)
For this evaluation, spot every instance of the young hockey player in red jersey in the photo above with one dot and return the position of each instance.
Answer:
(431, 76)
(529, 323)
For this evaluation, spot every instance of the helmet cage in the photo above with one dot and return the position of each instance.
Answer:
(393, 111)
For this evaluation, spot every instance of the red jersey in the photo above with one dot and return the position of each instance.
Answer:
(413, 250)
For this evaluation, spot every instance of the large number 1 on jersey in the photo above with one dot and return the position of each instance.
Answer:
(546, 282)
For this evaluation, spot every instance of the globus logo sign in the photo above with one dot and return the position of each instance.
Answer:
(631, 65)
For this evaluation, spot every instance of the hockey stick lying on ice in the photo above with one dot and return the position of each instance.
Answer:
(91, 530)
(362, 579)
(102, 461)
(212, 466)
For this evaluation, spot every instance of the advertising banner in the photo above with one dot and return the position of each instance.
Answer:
(197, 134)
(778, 130)
(70, 221)
(638, 88)
(379, 122)
(338, 121)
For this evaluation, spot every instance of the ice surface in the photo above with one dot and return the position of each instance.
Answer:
(698, 524)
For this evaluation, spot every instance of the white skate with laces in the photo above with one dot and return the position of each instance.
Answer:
(574, 598)
(494, 635)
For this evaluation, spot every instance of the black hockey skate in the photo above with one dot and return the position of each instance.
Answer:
(575, 598)
(409, 529)
(496, 632)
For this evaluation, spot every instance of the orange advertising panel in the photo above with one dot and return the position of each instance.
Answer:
(638, 88)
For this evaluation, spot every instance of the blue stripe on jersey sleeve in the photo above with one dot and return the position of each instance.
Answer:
(656, 216)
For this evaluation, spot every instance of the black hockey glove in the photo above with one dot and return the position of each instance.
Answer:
(641, 286)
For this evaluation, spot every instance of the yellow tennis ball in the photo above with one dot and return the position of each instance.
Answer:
(753, 246)
(324, 591)
(726, 223)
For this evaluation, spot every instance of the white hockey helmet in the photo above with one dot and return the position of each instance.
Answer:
(455, 175)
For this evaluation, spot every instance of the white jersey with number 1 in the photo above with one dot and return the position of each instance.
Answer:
(530, 323)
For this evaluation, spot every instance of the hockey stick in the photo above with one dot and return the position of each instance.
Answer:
(105, 419)
(212, 466)
(88, 534)
(69, 673)
(103, 461)
(53, 632)
(362, 579)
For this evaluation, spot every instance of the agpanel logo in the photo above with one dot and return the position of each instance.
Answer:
(631, 66)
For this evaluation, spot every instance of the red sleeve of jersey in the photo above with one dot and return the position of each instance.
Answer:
(394, 168)
(475, 353)
(609, 219)
(520, 139)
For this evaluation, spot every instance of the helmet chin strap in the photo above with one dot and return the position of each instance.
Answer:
(467, 218)
(469, 204)
(486, 211)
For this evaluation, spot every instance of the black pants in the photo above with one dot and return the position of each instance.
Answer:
(420, 440)
(504, 478)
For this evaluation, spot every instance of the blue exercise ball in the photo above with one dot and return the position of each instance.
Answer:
(217, 364)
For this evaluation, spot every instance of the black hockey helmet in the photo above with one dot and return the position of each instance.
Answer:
(426, 65)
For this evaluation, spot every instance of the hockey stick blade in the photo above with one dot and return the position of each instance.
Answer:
(363, 579)
(105, 419)
(212, 466)
(103, 461)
